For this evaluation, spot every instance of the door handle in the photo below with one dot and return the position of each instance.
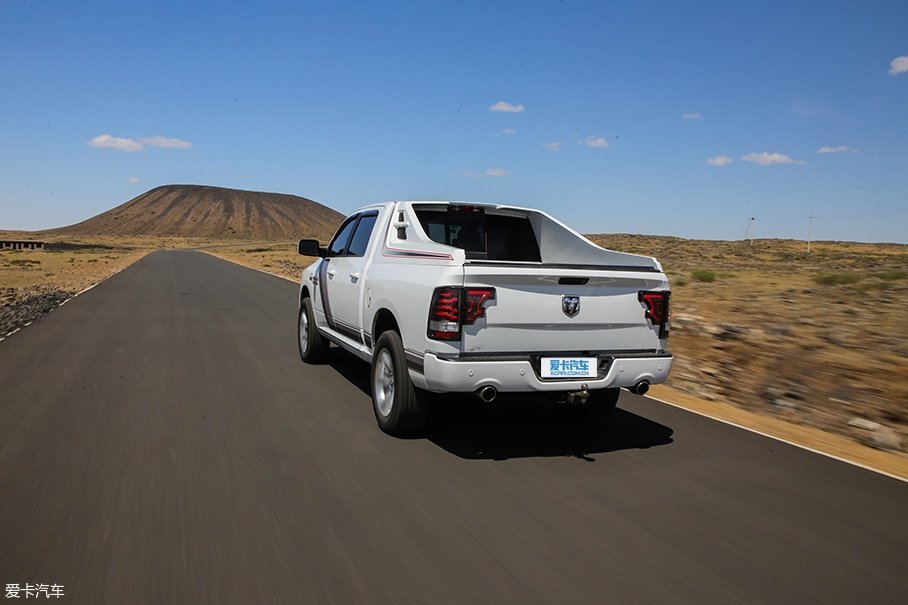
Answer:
(331, 272)
(355, 276)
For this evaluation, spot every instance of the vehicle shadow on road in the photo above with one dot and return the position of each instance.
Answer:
(513, 427)
(518, 426)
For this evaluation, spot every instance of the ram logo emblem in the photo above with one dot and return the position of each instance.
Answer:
(570, 305)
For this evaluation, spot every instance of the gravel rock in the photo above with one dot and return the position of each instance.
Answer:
(876, 434)
(785, 404)
(21, 306)
(779, 330)
(730, 332)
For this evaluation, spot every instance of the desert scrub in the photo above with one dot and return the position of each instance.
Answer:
(24, 262)
(703, 275)
(835, 279)
(892, 275)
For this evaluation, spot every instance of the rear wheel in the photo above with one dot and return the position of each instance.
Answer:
(394, 400)
(312, 345)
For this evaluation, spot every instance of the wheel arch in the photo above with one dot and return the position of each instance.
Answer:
(383, 321)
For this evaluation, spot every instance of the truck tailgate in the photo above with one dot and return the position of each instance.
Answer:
(534, 311)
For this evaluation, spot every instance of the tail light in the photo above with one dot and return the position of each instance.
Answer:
(455, 307)
(444, 314)
(658, 309)
(474, 303)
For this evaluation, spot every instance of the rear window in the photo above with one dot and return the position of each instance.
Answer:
(482, 236)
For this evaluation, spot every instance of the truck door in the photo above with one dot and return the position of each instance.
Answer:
(342, 278)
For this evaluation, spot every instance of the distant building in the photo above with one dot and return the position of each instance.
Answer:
(11, 244)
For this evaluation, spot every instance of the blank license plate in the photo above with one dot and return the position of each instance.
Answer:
(569, 367)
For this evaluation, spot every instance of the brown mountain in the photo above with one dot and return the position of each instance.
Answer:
(212, 212)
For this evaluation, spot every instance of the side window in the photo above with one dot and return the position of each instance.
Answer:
(360, 240)
(337, 245)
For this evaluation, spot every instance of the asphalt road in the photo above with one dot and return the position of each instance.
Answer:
(161, 442)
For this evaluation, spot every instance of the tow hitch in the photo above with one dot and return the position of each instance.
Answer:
(578, 397)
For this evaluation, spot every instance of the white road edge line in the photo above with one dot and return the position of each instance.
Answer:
(776, 438)
(290, 279)
(75, 295)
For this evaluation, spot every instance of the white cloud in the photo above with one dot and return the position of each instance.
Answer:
(899, 65)
(497, 172)
(839, 149)
(719, 160)
(133, 180)
(767, 159)
(507, 131)
(554, 145)
(165, 142)
(132, 145)
(505, 107)
(118, 143)
(489, 172)
(594, 142)
(692, 116)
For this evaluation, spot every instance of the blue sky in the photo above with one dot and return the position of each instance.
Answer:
(674, 118)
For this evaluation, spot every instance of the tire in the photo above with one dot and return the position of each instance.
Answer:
(394, 401)
(312, 345)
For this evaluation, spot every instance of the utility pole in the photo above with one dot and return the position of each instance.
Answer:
(809, 231)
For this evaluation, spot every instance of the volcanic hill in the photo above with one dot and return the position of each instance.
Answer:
(197, 211)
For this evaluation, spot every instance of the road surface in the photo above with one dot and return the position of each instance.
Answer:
(161, 442)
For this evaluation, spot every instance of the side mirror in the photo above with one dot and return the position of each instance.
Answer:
(309, 247)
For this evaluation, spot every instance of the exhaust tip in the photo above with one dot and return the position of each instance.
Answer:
(487, 394)
(640, 388)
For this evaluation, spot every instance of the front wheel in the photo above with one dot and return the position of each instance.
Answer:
(394, 401)
(313, 346)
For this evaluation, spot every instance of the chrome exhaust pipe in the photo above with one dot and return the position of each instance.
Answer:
(640, 388)
(487, 394)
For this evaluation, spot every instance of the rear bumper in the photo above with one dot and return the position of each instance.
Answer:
(521, 375)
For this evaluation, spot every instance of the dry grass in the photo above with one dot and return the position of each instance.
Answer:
(67, 266)
(71, 264)
(278, 258)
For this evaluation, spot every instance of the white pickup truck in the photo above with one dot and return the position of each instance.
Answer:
(476, 298)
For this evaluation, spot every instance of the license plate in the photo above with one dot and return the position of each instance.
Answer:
(569, 367)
